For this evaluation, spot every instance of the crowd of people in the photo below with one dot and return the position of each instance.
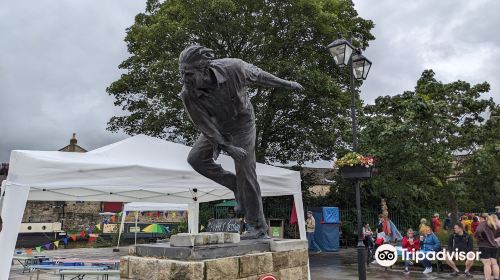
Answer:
(483, 229)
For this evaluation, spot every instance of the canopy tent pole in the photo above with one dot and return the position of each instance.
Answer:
(193, 217)
(122, 224)
(135, 229)
(299, 207)
(12, 214)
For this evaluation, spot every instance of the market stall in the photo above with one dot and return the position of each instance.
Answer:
(146, 206)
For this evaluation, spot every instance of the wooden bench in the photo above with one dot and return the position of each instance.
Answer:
(80, 274)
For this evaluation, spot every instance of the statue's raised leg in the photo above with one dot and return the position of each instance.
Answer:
(201, 159)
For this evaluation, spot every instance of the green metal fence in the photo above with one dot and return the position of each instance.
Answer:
(401, 221)
(282, 210)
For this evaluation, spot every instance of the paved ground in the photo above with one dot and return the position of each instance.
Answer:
(332, 266)
(343, 266)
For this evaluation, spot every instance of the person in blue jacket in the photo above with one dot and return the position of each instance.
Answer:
(429, 242)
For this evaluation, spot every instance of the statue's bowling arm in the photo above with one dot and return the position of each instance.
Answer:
(256, 76)
(266, 79)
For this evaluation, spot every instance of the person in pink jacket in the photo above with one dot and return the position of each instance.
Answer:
(411, 244)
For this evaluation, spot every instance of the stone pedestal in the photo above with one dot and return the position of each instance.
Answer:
(248, 259)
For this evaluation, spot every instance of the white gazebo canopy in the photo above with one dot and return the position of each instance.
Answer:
(148, 206)
(139, 168)
(152, 206)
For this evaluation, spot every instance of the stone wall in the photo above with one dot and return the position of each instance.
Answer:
(73, 216)
(284, 265)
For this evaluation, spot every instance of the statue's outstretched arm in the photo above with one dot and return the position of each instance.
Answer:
(256, 76)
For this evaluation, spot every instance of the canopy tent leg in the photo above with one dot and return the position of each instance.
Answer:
(12, 215)
(297, 198)
(193, 217)
(299, 208)
(121, 230)
(135, 229)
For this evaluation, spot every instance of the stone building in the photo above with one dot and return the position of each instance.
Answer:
(73, 146)
(319, 176)
(4, 169)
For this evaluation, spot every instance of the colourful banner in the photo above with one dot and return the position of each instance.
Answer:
(55, 244)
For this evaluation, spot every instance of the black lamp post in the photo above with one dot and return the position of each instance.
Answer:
(344, 54)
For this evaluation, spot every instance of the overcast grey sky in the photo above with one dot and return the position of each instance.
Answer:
(57, 58)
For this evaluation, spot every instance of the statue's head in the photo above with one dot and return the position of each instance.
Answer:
(194, 62)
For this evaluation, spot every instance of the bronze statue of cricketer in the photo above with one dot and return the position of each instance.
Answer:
(215, 97)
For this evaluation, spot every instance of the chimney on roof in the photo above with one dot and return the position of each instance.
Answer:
(72, 143)
(73, 146)
(73, 140)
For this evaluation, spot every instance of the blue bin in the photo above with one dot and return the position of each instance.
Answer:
(326, 235)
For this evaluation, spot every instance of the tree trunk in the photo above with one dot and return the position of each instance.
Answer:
(452, 204)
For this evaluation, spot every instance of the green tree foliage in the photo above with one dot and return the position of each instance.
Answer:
(482, 169)
(286, 38)
(429, 142)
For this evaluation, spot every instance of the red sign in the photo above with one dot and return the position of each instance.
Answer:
(114, 207)
(268, 277)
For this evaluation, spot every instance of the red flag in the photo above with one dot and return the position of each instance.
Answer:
(82, 234)
(293, 217)
(386, 227)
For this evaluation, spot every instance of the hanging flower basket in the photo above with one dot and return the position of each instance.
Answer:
(355, 166)
(356, 172)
